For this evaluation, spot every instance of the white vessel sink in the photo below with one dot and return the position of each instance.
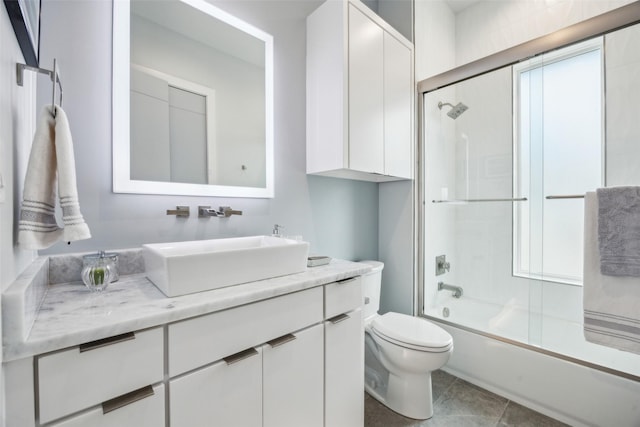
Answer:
(181, 268)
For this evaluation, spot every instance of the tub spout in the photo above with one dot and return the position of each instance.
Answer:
(457, 290)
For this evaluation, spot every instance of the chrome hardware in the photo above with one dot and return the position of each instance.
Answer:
(442, 266)
(179, 211)
(92, 345)
(339, 318)
(566, 196)
(521, 199)
(223, 212)
(126, 399)
(53, 74)
(276, 230)
(367, 300)
(244, 354)
(281, 340)
(457, 290)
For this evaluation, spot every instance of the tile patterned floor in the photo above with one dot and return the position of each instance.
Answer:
(458, 403)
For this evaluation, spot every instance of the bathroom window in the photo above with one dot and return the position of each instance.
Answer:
(558, 153)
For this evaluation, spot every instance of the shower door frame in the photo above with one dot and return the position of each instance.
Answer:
(600, 25)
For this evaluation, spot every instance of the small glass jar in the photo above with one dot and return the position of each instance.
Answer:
(112, 257)
(98, 271)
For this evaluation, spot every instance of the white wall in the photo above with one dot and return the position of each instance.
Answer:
(491, 26)
(435, 38)
(338, 217)
(17, 119)
(16, 127)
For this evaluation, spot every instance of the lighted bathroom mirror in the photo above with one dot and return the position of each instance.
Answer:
(192, 101)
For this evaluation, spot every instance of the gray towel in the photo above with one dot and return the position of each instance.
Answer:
(611, 304)
(619, 231)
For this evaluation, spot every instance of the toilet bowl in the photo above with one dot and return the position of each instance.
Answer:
(401, 351)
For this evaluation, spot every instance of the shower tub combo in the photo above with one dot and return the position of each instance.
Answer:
(502, 199)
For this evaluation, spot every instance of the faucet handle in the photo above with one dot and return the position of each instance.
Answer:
(227, 211)
(179, 211)
(276, 230)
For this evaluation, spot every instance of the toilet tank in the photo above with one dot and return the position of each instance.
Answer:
(371, 288)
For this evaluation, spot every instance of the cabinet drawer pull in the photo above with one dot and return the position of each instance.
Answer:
(281, 340)
(345, 281)
(339, 318)
(92, 345)
(126, 399)
(244, 354)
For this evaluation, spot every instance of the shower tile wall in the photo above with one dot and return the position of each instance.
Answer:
(491, 26)
(622, 91)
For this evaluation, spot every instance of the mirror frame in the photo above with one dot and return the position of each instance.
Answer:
(121, 155)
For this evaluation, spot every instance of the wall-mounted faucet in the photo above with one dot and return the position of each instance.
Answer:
(223, 211)
(179, 211)
(457, 290)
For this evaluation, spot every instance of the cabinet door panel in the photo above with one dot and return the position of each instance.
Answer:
(344, 371)
(147, 412)
(110, 370)
(221, 394)
(293, 375)
(366, 125)
(197, 342)
(398, 105)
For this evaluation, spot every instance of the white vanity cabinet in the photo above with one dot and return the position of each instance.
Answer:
(98, 372)
(344, 354)
(226, 393)
(293, 379)
(147, 411)
(249, 365)
(291, 359)
(277, 384)
(359, 95)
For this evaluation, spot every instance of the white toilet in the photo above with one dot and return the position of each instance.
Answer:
(400, 351)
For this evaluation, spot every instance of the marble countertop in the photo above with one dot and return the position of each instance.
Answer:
(69, 315)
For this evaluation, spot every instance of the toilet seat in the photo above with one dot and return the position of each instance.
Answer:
(412, 332)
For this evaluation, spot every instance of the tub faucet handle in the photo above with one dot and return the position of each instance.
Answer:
(442, 266)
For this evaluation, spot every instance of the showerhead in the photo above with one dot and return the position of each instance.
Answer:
(455, 111)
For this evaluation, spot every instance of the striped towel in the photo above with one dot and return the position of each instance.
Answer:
(611, 303)
(51, 153)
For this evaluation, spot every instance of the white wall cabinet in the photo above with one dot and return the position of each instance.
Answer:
(359, 95)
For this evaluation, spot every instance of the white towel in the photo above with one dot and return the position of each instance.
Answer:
(611, 303)
(51, 152)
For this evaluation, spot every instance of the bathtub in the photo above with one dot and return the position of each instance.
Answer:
(544, 364)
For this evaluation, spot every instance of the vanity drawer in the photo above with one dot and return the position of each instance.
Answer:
(146, 412)
(202, 340)
(84, 376)
(342, 296)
